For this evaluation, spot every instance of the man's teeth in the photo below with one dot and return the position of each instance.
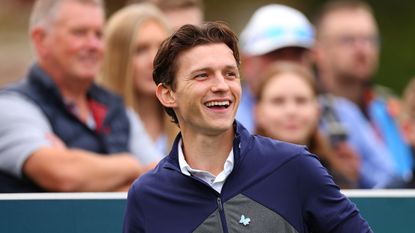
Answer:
(218, 103)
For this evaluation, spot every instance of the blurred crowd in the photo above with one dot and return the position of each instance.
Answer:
(86, 117)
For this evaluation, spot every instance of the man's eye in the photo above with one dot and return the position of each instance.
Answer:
(79, 32)
(231, 74)
(201, 76)
(99, 34)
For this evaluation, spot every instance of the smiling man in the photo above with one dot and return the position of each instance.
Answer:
(218, 177)
(60, 128)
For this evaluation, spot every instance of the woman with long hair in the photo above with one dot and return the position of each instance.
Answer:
(287, 109)
(132, 38)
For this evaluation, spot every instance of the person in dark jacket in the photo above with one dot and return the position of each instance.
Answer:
(57, 127)
(218, 177)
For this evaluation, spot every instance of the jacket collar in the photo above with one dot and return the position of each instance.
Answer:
(241, 145)
(39, 77)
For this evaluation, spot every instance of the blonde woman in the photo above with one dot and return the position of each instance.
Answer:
(132, 38)
(287, 109)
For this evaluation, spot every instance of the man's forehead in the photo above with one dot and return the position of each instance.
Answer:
(205, 56)
(346, 15)
(355, 21)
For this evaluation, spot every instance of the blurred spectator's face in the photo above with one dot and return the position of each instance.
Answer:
(349, 45)
(148, 39)
(180, 17)
(288, 109)
(72, 47)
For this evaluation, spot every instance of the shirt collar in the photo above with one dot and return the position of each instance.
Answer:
(187, 170)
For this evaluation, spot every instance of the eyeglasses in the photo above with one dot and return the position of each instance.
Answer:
(351, 40)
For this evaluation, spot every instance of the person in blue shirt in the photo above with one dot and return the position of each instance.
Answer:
(347, 53)
(218, 177)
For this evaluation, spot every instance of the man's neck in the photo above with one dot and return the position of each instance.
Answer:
(76, 94)
(349, 88)
(73, 91)
(207, 153)
(71, 88)
(350, 91)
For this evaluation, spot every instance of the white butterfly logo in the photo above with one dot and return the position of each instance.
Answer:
(244, 220)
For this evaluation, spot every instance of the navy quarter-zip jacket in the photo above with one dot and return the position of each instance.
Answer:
(274, 187)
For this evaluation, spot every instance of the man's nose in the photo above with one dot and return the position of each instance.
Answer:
(220, 83)
(95, 41)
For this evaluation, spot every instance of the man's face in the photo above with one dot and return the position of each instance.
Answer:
(72, 47)
(207, 89)
(348, 44)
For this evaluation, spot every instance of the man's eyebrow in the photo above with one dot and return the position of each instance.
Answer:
(200, 69)
(226, 67)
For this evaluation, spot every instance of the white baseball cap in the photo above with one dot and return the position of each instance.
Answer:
(276, 26)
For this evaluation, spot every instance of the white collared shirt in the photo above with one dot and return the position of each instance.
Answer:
(216, 182)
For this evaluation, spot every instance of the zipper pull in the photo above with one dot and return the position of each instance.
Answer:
(219, 201)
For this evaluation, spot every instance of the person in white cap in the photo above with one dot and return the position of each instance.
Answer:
(274, 32)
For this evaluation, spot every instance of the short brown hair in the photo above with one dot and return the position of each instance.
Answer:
(187, 37)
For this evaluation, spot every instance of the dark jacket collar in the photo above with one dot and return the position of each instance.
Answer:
(241, 145)
(41, 78)
(38, 77)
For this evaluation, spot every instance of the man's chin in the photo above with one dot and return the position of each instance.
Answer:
(88, 77)
(220, 127)
(85, 79)
(362, 73)
(88, 74)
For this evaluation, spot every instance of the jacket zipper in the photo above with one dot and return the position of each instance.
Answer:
(218, 202)
(222, 215)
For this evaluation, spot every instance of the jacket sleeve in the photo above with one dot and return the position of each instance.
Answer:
(133, 217)
(23, 130)
(326, 209)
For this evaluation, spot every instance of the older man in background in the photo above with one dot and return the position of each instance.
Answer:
(61, 132)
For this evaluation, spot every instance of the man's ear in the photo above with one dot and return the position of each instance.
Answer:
(166, 96)
(38, 36)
